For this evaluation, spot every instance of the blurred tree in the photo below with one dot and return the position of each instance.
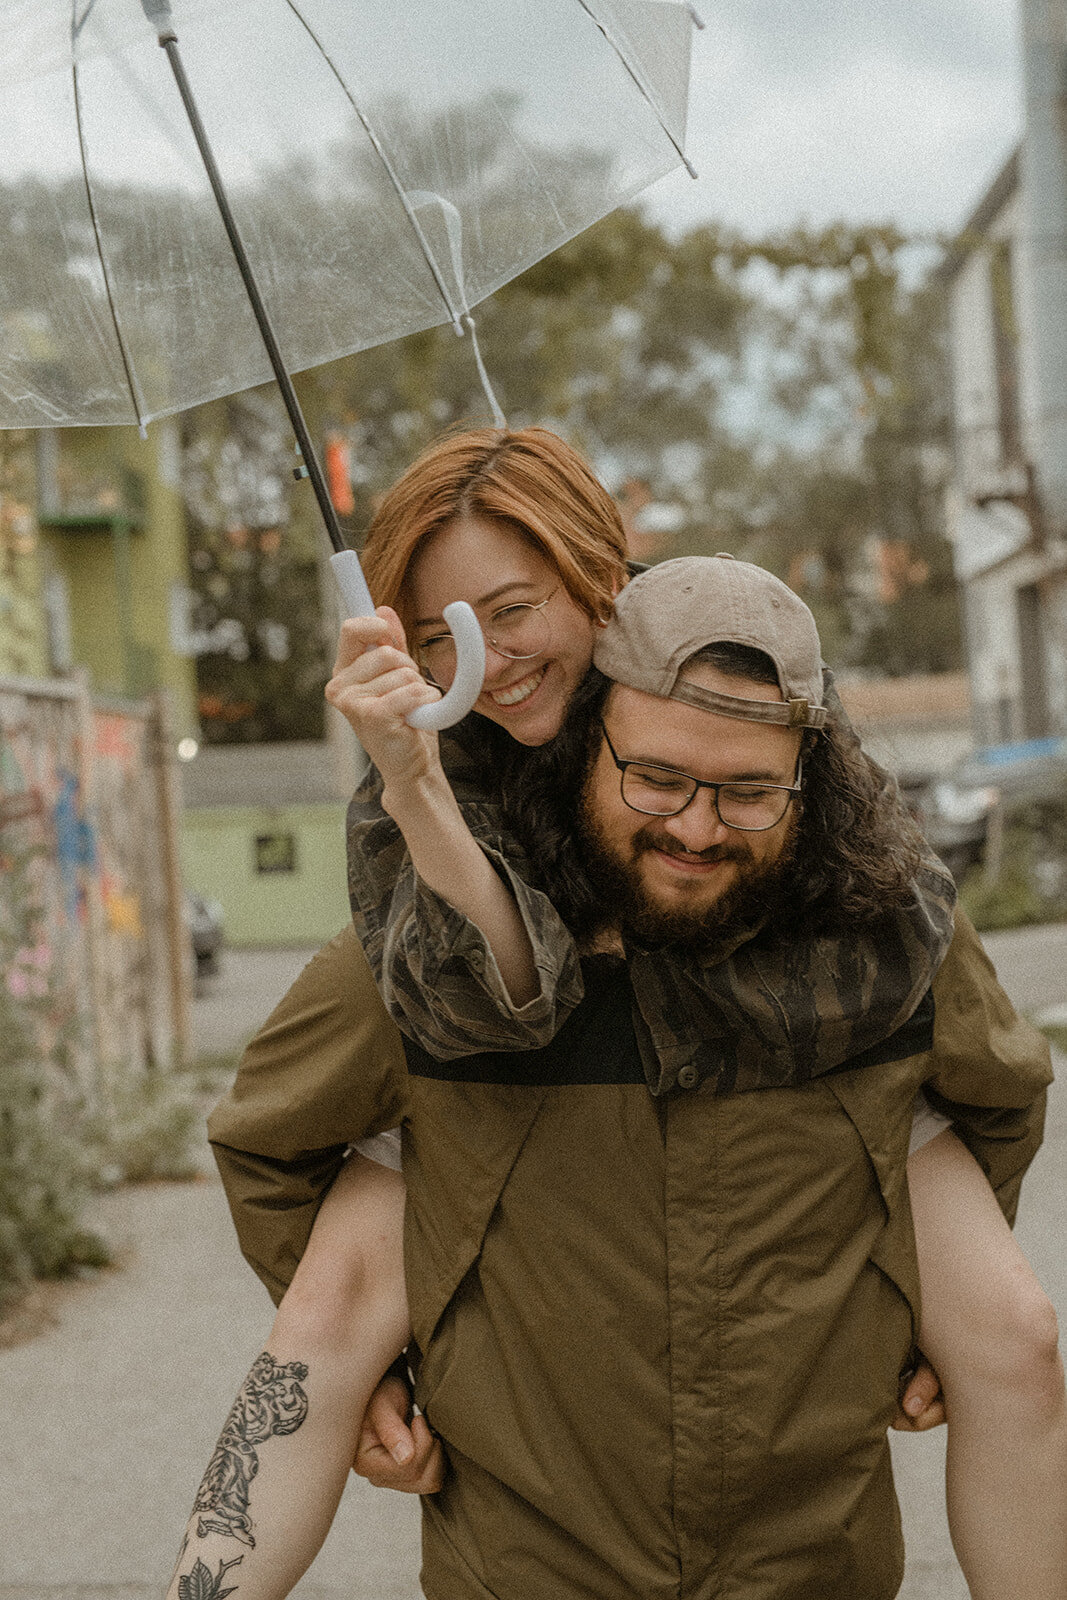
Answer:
(782, 399)
(853, 515)
(255, 621)
(620, 340)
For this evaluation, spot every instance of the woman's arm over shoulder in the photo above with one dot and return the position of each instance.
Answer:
(434, 964)
(816, 999)
(442, 983)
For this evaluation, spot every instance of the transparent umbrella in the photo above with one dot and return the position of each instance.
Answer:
(386, 165)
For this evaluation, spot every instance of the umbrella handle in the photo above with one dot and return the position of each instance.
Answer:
(470, 645)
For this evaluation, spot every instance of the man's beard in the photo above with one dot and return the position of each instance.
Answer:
(758, 895)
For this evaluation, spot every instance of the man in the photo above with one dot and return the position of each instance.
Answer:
(661, 1333)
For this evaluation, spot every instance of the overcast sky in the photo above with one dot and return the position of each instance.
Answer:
(866, 110)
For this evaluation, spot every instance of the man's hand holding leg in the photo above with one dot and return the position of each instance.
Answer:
(396, 1449)
(921, 1404)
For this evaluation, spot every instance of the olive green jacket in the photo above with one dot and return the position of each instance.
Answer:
(661, 1335)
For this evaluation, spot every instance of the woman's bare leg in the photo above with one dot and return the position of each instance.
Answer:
(989, 1330)
(273, 1483)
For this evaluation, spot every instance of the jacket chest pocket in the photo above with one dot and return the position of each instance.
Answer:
(460, 1144)
(879, 1103)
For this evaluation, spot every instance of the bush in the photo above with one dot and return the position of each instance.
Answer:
(1030, 881)
(54, 1155)
(54, 1151)
(149, 1130)
(1007, 901)
(46, 1171)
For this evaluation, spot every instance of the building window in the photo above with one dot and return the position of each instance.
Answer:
(275, 852)
(80, 480)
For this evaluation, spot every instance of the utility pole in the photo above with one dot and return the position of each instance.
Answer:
(1044, 32)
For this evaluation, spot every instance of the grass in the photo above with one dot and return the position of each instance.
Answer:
(1009, 901)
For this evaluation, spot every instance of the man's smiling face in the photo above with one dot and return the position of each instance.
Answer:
(688, 876)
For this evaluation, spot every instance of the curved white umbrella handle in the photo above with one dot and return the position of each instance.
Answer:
(470, 645)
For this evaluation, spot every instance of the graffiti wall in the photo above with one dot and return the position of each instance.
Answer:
(91, 933)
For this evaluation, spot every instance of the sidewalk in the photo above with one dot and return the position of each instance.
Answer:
(119, 1406)
(110, 1416)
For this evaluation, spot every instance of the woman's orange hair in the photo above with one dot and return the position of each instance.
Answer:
(529, 478)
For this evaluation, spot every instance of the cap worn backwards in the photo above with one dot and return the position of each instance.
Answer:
(668, 613)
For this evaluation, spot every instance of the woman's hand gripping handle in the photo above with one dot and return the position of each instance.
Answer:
(470, 646)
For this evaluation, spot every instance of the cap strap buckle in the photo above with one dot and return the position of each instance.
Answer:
(795, 713)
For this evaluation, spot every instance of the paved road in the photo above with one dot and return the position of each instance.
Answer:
(109, 1416)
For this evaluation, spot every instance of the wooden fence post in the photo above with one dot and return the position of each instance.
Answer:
(163, 757)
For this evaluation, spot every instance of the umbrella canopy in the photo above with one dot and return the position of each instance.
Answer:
(388, 164)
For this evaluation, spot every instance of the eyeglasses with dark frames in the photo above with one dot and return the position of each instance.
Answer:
(664, 792)
(519, 631)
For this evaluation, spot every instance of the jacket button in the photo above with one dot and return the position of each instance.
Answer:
(688, 1077)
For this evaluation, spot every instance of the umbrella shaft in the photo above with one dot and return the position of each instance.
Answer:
(169, 43)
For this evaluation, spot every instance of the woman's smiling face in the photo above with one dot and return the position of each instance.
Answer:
(492, 565)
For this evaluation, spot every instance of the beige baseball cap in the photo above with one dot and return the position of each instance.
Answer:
(665, 615)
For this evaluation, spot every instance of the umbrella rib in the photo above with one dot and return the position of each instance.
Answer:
(394, 177)
(639, 79)
(78, 23)
(127, 365)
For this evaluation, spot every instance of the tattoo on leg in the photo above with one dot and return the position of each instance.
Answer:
(269, 1402)
(203, 1584)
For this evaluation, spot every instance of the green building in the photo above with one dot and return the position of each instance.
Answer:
(263, 833)
(93, 533)
(95, 575)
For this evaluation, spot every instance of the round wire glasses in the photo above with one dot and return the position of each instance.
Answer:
(663, 792)
(519, 631)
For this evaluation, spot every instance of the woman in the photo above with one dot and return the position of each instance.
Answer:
(517, 525)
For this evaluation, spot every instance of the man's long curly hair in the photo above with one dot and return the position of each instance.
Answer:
(857, 851)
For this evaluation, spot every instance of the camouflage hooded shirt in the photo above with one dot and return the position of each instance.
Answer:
(770, 1012)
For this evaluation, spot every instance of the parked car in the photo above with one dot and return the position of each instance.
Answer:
(1027, 779)
(203, 918)
(953, 819)
(1036, 769)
